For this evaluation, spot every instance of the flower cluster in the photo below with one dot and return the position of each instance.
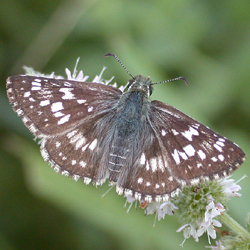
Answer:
(199, 207)
(75, 75)
(206, 225)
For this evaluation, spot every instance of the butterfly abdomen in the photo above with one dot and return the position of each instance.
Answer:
(126, 132)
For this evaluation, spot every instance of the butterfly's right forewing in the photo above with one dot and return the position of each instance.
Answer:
(55, 106)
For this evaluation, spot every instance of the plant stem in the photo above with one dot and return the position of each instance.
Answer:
(234, 225)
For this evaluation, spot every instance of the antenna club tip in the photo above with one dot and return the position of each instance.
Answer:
(109, 54)
(184, 79)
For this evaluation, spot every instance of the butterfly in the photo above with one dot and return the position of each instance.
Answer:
(148, 149)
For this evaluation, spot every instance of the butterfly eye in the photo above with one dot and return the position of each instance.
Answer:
(150, 88)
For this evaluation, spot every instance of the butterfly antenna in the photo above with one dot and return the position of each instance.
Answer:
(111, 54)
(175, 79)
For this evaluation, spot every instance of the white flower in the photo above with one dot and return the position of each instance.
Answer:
(230, 187)
(161, 209)
(130, 198)
(209, 228)
(80, 77)
(218, 246)
(73, 76)
(209, 223)
(213, 210)
(152, 208)
(166, 208)
(188, 230)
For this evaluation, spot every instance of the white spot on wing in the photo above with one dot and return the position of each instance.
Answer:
(220, 143)
(90, 109)
(221, 157)
(19, 112)
(81, 101)
(64, 119)
(26, 94)
(161, 164)
(76, 177)
(82, 164)
(170, 178)
(76, 138)
(201, 154)
(58, 114)
(143, 159)
(214, 159)
(195, 181)
(80, 142)
(85, 147)
(148, 198)
(174, 132)
(32, 99)
(218, 147)
(36, 83)
(176, 157)
(93, 144)
(137, 195)
(87, 180)
(45, 103)
(65, 172)
(216, 176)
(189, 133)
(199, 165)
(119, 190)
(67, 93)
(72, 133)
(153, 164)
(163, 132)
(140, 180)
(183, 155)
(190, 151)
(56, 106)
(36, 88)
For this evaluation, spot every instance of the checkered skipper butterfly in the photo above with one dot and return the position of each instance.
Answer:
(93, 131)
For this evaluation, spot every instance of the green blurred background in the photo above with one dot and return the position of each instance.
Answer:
(208, 42)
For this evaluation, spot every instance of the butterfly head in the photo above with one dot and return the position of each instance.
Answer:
(142, 84)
